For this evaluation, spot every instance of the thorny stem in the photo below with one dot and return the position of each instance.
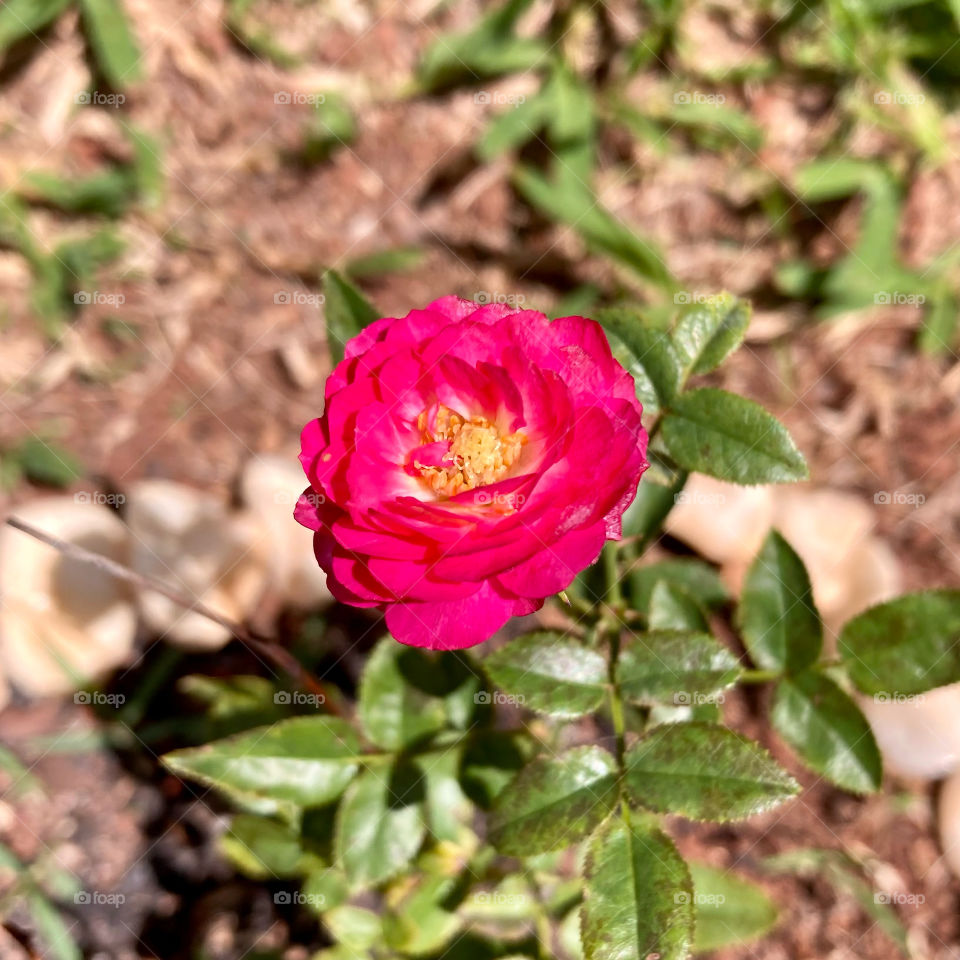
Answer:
(268, 649)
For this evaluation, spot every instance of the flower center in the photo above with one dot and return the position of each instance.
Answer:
(478, 454)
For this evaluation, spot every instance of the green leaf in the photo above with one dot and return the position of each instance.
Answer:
(730, 910)
(828, 731)
(418, 923)
(346, 312)
(939, 330)
(908, 645)
(781, 627)
(673, 608)
(709, 332)
(354, 927)
(395, 713)
(108, 193)
(699, 579)
(832, 178)
(447, 806)
(391, 260)
(306, 761)
(52, 929)
(513, 127)
(380, 825)
(324, 888)
(112, 40)
(571, 114)
(554, 802)
(653, 349)
(638, 896)
(264, 849)
(550, 673)
(568, 199)
(23, 18)
(731, 438)
(490, 761)
(47, 463)
(705, 772)
(491, 48)
(670, 666)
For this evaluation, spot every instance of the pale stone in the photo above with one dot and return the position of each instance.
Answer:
(724, 522)
(949, 817)
(919, 736)
(270, 487)
(193, 543)
(63, 623)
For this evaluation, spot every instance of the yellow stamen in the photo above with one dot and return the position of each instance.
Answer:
(478, 454)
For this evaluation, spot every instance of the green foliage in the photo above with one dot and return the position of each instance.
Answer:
(639, 896)
(112, 40)
(777, 617)
(731, 438)
(493, 47)
(551, 674)
(730, 910)
(666, 666)
(828, 730)
(908, 645)
(346, 311)
(306, 761)
(705, 772)
(380, 824)
(554, 802)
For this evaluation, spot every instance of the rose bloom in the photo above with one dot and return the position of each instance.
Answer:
(470, 462)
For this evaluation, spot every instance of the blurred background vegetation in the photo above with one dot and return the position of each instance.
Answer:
(177, 179)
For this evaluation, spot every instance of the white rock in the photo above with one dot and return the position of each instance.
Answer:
(63, 623)
(723, 522)
(195, 544)
(824, 527)
(918, 736)
(870, 576)
(950, 822)
(270, 486)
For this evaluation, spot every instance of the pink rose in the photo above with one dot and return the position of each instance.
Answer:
(470, 462)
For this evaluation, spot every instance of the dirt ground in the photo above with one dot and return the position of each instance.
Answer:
(224, 355)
